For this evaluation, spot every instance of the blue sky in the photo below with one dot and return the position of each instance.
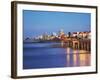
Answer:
(38, 22)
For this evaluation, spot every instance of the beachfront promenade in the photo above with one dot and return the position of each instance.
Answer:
(81, 44)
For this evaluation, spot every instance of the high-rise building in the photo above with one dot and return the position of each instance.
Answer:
(61, 32)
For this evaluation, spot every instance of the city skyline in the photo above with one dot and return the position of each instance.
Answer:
(38, 22)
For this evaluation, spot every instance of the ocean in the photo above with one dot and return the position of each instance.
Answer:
(52, 55)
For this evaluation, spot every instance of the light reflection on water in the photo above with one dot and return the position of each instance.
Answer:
(41, 55)
(79, 57)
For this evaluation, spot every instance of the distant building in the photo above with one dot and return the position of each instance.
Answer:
(80, 34)
(74, 34)
(89, 35)
(54, 34)
(61, 32)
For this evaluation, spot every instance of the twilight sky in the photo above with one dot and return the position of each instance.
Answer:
(38, 22)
